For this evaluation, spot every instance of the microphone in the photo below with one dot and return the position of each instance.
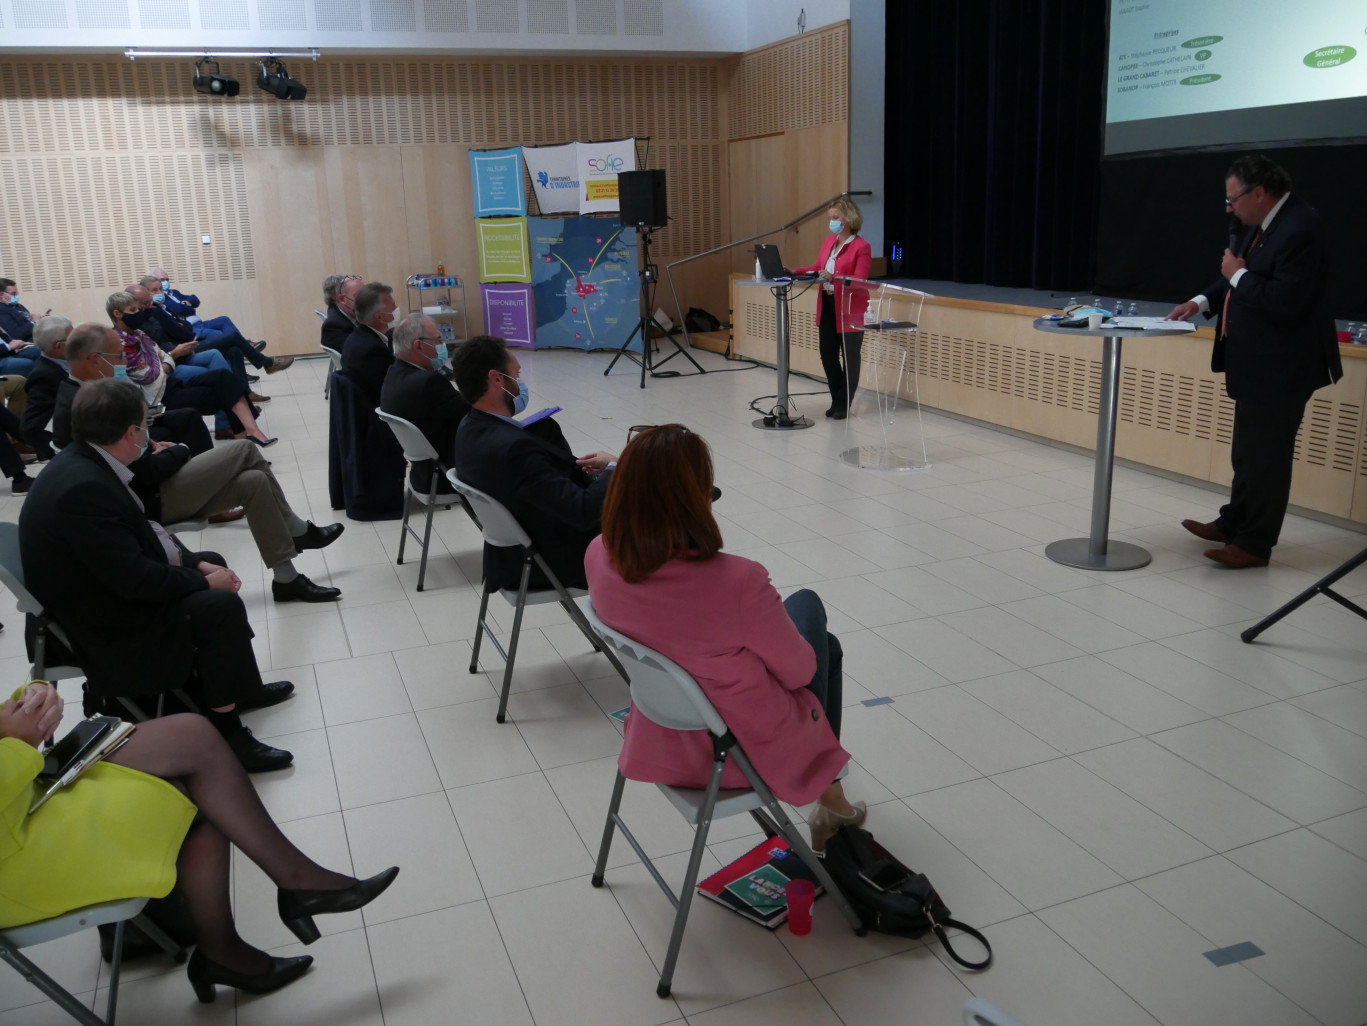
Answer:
(1236, 228)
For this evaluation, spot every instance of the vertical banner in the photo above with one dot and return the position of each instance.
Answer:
(508, 314)
(497, 179)
(585, 284)
(555, 179)
(598, 166)
(503, 252)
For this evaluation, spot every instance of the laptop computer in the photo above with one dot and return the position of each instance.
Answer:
(771, 265)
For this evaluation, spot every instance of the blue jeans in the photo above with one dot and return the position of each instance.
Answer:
(201, 363)
(804, 608)
(21, 366)
(220, 333)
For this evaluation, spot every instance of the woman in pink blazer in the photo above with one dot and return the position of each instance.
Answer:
(768, 666)
(840, 310)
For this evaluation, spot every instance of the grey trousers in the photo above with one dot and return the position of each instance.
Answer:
(232, 474)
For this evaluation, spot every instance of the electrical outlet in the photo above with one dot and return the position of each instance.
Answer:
(205, 239)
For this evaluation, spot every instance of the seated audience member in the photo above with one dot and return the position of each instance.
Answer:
(556, 497)
(217, 333)
(16, 331)
(339, 293)
(11, 462)
(768, 665)
(123, 832)
(49, 370)
(144, 614)
(221, 484)
(148, 368)
(368, 351)
(414, 390)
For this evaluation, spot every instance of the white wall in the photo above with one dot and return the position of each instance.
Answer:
(867, 84)
(768, 21)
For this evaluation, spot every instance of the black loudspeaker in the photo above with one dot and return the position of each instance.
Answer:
(641, 198)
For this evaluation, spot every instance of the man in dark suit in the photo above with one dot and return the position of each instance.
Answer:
(556, 497)
(414, 390)
(368, 351)
(1275, 342)
(144, 613)
(339, 293)
(41, 384)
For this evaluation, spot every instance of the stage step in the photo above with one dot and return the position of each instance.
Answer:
(712, 341)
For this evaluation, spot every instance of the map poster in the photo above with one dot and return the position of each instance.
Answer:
(554, 179)
(508, 314)
(598, 166)
(496, 177)
(585, 283)
(503, 249)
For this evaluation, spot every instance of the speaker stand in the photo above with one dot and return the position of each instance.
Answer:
(650, 277)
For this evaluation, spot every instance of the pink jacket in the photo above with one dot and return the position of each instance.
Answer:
(854, 261)
(723, 622)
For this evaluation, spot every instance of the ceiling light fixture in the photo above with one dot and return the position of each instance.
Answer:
(211, 82)
(276, 80)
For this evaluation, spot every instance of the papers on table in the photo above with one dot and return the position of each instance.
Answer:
(1150, 324)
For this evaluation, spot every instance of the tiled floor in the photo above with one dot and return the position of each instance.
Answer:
(1091, 767)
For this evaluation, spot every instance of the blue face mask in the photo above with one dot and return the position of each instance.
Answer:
(439, 361)
(521, 399)
(835, 226)
(120, 372)
(159, 298)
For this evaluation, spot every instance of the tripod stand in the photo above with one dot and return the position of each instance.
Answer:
(650, 277)
(1320, 587)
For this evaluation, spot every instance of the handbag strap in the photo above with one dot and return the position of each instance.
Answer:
(939, 928)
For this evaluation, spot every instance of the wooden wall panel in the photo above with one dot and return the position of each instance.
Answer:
(795, 83)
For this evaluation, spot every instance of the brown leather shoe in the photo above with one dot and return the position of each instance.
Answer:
(278, 363)
(257, 397)
(224, 434)
(228, 516)
(1206, 532)
(1235, 558)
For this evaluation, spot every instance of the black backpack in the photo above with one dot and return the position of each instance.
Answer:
(889, 897)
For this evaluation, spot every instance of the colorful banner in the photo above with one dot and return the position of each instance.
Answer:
(508, 314)
(598, 165)
(497, 179)
(503, 252)
(585, 283)
(554, 179)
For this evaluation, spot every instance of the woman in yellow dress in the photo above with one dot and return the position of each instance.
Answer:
(164, 806)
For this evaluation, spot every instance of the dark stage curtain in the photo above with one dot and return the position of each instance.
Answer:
(993, 139)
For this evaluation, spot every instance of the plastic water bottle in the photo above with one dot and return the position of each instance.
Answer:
(758, 275)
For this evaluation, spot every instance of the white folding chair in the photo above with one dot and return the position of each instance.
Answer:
(12, 576)
(335, 365)
(501, 530)
(119, 912)
(665, 693)
(416, 449)
(981, 1012)
(187, 526)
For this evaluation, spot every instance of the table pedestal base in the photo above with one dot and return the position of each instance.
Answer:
(782, 423)
(885, 457)
(1078, 552)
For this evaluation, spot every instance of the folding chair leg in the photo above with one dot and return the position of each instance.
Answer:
(160, 937)
(577, 616)
(403, 526)
(690, 878)
(120, 929)
(512, 645)
(600, 867)
(30, 972)
(479, 629)
(427, 531)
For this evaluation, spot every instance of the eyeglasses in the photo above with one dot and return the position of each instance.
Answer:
(1231, 200)
(109, 358)
(424, 338)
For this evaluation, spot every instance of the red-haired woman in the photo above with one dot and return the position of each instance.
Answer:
(768, 665)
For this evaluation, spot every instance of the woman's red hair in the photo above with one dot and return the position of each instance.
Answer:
(659, 503)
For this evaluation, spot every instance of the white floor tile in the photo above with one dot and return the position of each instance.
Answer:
(1314, 873)
(898, 754)
(380, 760)
(1123, 697)
(1052, 715)
(976, 733)
(363, 688)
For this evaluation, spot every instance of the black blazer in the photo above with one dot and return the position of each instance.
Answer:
(435, 408)
(1281, 339)
(337, 327)
(558, 504)
(366, 357)
(91, 558)
(41, 387)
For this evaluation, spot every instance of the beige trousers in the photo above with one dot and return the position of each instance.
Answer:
(232, 474)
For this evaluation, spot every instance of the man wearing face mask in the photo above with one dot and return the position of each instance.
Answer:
(339, 294)
(415, 390)
(555, 496)
(368, 352)
(16, 331)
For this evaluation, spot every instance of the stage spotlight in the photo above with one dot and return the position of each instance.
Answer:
(211, 82)
(276, 81)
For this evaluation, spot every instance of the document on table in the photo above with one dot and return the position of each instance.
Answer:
(1150, 324)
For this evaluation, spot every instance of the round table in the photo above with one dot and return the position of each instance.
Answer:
(1097, 551)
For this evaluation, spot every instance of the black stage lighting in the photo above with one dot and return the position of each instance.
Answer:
(211, 82)
(276, 81)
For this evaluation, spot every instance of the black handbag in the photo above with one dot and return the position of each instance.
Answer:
(889, 897)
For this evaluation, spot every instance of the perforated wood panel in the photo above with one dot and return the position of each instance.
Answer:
(797, 83)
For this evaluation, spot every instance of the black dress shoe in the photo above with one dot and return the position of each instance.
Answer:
(830, 411)
(270, 694)
(204, 974)
(256, 756)
(253, 378)
(301, 589)
(315, 537)
(297, 908)
(838, 415)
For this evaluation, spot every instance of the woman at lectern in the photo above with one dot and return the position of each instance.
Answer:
(768, 665)
(840, 310)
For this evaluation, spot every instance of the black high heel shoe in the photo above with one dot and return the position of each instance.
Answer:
(297, 908)
(204, 974)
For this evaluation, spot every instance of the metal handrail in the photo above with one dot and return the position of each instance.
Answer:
(678, 308)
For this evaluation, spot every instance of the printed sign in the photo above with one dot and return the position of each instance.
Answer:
(554, 179)
(497, 179)
(598, 166)
(508, 314)
(503, 252)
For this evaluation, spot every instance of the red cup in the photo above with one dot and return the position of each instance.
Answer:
(800, 894)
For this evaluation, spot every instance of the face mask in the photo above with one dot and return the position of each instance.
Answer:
(143, 451)
(159, 298)
(521, 398)
(439, 361)
(120, 372)
(134, 320)
(835, 226)
(6, 297)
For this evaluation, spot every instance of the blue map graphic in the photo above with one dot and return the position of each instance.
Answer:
(585, 282)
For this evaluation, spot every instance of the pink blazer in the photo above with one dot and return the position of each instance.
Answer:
(723, 622)
(854, 261)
